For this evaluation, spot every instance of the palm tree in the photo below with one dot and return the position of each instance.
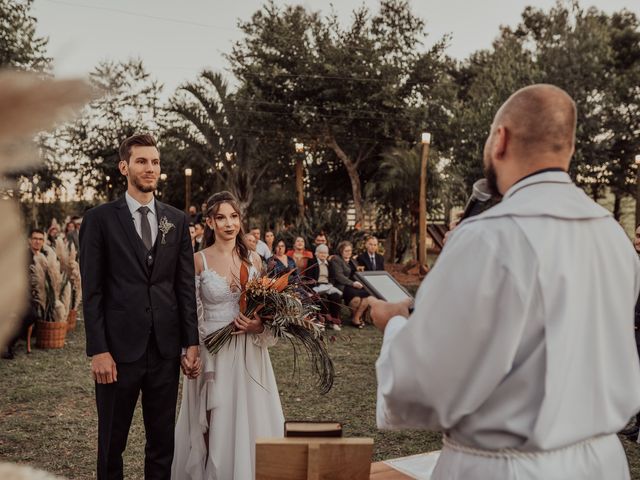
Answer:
(215, 126)
(396, 189)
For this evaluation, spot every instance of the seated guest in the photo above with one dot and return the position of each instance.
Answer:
(199, 236)
(300, 255)
(52, 235)
(353, 292)
(330, 297)
(73, 233)
(321, 239)
(261, 248)
(250, 241)
(192, 236)
(202, 214)
(193, 214)
(36, 243)
(371, 260)
(280, 263)
(269, 237)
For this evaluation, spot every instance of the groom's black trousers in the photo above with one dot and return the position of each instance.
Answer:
(157, 378)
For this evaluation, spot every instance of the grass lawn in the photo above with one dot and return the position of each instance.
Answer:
(48, 420)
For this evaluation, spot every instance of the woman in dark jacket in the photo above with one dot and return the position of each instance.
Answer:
(354, 295)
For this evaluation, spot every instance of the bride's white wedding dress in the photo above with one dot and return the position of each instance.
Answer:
(237, 385)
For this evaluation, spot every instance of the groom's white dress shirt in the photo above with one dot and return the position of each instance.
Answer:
(522, 338)
(134, 205)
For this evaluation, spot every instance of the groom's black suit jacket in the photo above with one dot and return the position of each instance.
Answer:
(124, 298)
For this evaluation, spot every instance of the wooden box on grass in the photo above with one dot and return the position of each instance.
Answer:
(313, 458)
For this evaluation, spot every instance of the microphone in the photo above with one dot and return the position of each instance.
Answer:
(479, 199)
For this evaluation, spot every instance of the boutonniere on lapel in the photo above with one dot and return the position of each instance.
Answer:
(165, 227)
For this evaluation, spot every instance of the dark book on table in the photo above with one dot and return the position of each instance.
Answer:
(312, 429)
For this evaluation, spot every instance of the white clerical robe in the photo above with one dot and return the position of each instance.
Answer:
(522, 338)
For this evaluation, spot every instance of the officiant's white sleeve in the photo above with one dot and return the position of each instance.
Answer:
(446, 359)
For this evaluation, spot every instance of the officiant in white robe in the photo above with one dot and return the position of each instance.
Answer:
(521, 344)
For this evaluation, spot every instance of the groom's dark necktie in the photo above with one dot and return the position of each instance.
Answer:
(145, 228)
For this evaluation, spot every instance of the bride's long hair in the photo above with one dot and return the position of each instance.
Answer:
(213, 205)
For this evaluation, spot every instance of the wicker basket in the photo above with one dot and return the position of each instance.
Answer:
(72, 320)
(50, 334)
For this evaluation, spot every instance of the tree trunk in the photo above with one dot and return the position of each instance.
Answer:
(300, 186)
(354, 177)
(616, 207)
(392, 245)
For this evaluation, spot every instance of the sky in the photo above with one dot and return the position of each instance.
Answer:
(177, 39)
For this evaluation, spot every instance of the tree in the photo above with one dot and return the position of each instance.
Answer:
(349, 92)
(129, 104)
(20, 48)
(485, 80)
(591, 55)
(216, 127)
(621, 105)
(397, 191)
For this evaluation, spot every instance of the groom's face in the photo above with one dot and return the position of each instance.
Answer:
(143, 168)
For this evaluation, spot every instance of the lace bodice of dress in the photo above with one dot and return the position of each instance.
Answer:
(217, 302)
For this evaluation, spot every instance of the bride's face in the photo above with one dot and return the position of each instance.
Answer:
(225, 223)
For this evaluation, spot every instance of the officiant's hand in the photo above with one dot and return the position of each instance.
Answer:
(382, 312)
(103, 368)
(248, 325)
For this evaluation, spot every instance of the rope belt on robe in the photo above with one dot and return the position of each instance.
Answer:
(506, 453)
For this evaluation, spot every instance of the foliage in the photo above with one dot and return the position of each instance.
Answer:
(347, 92)
(129, 104)
(593, 56)
(215, 127)
(20, 48)
(51, 288)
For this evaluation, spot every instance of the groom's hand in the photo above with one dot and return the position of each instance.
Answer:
(191, 361)
(103, 368)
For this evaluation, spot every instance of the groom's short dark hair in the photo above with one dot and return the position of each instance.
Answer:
(138, 140)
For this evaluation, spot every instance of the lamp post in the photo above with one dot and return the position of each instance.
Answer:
(299, 146)
(163, 179)
(34, 213)
(422, 221)
(187, 189)
(637, 161)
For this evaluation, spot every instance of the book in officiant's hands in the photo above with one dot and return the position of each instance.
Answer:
(312, 429)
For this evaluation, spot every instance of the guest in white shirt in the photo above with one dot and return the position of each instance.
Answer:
(261, 247)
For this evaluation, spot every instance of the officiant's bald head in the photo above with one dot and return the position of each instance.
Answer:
(534, 129)
(540, 117)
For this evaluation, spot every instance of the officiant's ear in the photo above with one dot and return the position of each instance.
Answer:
(124, 167)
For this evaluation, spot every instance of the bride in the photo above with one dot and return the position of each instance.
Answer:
(235, 400)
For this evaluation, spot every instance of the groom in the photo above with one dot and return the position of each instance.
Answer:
(136, 262)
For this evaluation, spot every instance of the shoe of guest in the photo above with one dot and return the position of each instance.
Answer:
(336, 327)
(8, 355)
